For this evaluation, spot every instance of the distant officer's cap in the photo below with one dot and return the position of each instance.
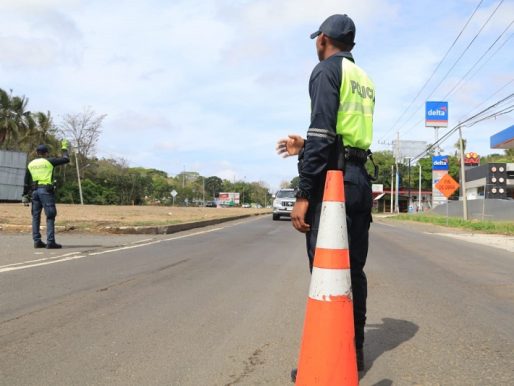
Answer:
(41, 149)
(337, 27)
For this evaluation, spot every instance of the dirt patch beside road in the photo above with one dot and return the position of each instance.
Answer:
(16, 217)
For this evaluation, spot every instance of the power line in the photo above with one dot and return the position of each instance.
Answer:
(485, 100)
(492, 55)
(473, 120)
(435, 70)
(453, 66)
(460, 82)
(467, 48)
(493, 94)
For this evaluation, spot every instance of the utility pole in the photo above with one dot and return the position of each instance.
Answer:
(78, 177)
(397, 207)
(203, 190)
(392, 187)
(463, 177)
(419, 193)
(409, 184)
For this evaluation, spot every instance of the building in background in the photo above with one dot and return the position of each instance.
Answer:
(494, 180)
(13, 165)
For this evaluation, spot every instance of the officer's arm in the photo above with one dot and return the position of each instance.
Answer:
(64, 159)
(27, 183)
(324, 91)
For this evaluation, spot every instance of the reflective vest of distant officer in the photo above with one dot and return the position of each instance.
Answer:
(39, 184)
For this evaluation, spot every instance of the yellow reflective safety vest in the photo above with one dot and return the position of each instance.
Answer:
(356, 105)
(41, 171)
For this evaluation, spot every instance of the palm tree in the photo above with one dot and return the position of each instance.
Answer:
(14, 119)
(457, 146)
(40, 130)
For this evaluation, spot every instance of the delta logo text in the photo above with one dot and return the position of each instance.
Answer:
(440, 162)
(436, 114)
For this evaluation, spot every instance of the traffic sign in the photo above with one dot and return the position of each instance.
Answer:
(173, 193)
(447, 185)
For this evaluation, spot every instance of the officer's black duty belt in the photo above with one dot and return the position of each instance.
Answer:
(356, 155)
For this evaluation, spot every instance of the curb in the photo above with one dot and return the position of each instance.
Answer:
(143, 230)
(168, 229)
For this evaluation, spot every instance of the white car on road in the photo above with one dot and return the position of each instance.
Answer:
(283, 203)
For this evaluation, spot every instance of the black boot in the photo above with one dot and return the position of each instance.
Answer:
(39, 244)
(360, 359)
(293, 375)
(53, 245)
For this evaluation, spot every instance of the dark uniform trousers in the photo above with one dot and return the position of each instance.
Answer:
(358, 197)
(42, 198)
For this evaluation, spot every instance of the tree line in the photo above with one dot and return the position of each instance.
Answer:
(107, 181)
(113, 182)
(409, 175)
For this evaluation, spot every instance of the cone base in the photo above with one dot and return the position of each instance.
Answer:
(327, 354)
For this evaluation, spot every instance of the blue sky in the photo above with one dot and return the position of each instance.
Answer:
(209, 86)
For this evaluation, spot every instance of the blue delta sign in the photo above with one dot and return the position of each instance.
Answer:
(440, 162)
(436, 114)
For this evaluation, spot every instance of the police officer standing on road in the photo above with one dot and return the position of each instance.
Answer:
(39, 180)
(342, 103)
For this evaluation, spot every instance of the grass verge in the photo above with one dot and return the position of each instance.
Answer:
(498, 227)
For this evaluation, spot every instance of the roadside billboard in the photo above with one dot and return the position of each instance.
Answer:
(471, 159)
(436, 114)
(440, 166)
(228, 198)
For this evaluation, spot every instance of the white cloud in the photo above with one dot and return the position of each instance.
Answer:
(213, 84)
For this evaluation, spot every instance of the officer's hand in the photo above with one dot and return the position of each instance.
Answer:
(298, 215)
(64, 144)
(25, 200)
(289, 146)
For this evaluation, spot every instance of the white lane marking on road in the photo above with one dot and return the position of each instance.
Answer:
(39, 260)
(73, 256)
(243, 222)
(8, 269)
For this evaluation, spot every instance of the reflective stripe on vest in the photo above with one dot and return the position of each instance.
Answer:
(356, 105)
(41, 171)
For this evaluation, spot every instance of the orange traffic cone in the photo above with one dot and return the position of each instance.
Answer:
(327, 354)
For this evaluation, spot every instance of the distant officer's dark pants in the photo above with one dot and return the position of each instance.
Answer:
(358, 198)
(43, 199)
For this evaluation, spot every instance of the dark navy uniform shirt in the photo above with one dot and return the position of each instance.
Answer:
(324, 89)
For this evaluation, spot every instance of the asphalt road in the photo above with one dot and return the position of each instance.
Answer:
(224, 305)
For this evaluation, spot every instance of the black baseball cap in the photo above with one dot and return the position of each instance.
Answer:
(41, 149)
(337, 27)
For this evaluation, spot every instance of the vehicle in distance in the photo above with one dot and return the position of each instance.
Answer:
(283, 203)
(211, 204)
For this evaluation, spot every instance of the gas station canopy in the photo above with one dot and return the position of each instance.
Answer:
(504, 139)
